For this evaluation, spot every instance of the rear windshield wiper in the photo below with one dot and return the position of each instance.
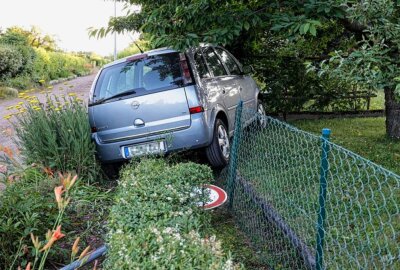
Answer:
(102, 100)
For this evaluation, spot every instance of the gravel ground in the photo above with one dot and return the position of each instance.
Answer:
(80, 86)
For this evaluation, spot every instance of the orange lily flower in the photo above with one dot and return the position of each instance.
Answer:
(48, 171)
(57, 235)
(66, 181)
(58, 191)
(8, 152)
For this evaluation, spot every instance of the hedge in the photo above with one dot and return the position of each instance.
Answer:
(155, 223)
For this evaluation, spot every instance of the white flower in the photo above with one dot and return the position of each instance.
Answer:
(228, 265)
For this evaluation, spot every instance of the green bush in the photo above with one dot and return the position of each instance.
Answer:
(20, 82)
(25, 206)
(57, 134)
(55, 65)
(7, 92)
(11, 61)
(155, 223)
(28, 205)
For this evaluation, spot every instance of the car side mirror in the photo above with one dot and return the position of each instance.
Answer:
(248, 70)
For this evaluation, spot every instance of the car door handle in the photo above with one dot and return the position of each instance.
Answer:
(240, 89)
(223, 91)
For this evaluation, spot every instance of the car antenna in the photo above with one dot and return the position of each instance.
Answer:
(141, 51)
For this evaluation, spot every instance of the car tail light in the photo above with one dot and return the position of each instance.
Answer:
(185, 69)
(197, 109)
(94, 129)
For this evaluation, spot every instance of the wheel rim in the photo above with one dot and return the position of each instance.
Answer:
(223, 141)
(261, 115)
(260, 109)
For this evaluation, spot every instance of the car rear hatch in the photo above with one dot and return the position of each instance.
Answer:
(141, 97)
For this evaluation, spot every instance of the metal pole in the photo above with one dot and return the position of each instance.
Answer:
(94, 255)
(322, 199)
(115, 33)
(234, 151)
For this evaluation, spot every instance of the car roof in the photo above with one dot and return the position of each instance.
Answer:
(149, 53)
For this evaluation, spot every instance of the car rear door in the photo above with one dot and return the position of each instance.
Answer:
(158, 105)
(245, 83)
(228, 87)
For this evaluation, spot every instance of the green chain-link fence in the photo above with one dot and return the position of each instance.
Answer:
(307, 203)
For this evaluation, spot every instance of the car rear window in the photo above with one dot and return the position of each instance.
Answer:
(151, 74)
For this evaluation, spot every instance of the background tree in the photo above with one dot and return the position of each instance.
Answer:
(353, 43)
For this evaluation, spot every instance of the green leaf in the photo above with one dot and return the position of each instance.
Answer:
(192, 35)
(313, 31)
(246, 26)
(306, 27)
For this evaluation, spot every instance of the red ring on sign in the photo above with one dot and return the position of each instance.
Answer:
(222, 197)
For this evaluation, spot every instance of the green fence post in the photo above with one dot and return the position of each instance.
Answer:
(233, 154)
(322, 199)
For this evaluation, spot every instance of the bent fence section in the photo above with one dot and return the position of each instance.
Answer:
(307, 203)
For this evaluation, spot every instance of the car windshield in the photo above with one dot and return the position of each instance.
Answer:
(148, 75)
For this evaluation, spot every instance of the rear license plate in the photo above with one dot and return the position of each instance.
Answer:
(149, 148)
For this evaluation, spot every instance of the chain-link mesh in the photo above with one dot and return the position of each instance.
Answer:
(274, 180)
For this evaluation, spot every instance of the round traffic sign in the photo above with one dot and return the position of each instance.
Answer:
(216, 196)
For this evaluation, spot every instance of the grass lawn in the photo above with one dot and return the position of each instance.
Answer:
(364, 136)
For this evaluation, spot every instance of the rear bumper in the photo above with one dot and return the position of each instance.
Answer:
(196, 136)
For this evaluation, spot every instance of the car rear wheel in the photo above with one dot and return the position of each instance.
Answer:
(218, 151)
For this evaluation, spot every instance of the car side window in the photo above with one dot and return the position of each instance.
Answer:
(201, 66)
(229, 62)
(214, 63)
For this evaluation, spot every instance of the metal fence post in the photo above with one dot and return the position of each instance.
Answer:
(233, 154)
(322, 199)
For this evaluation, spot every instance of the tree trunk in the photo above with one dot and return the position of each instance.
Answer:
(392, 109)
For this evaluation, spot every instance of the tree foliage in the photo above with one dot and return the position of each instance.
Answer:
(352, 42)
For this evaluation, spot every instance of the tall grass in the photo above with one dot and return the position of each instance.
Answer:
(57, 135)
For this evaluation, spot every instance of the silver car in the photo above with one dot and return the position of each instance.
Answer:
(163, 100)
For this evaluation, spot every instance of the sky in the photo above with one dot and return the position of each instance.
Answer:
(67, 21)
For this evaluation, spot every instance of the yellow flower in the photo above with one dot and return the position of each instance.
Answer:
(20, 103)
(33, 101)
(9, 107)
(37, 109)
(41, 81)
(57, 109)
(8, 116)
(50, 87)
(72, 94)
(42, 92)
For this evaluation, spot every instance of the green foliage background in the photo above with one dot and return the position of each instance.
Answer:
(313, 50)
(27, 57)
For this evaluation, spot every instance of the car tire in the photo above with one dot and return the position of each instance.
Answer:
(218, 151)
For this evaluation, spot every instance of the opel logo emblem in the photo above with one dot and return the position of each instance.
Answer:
(135, 105)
